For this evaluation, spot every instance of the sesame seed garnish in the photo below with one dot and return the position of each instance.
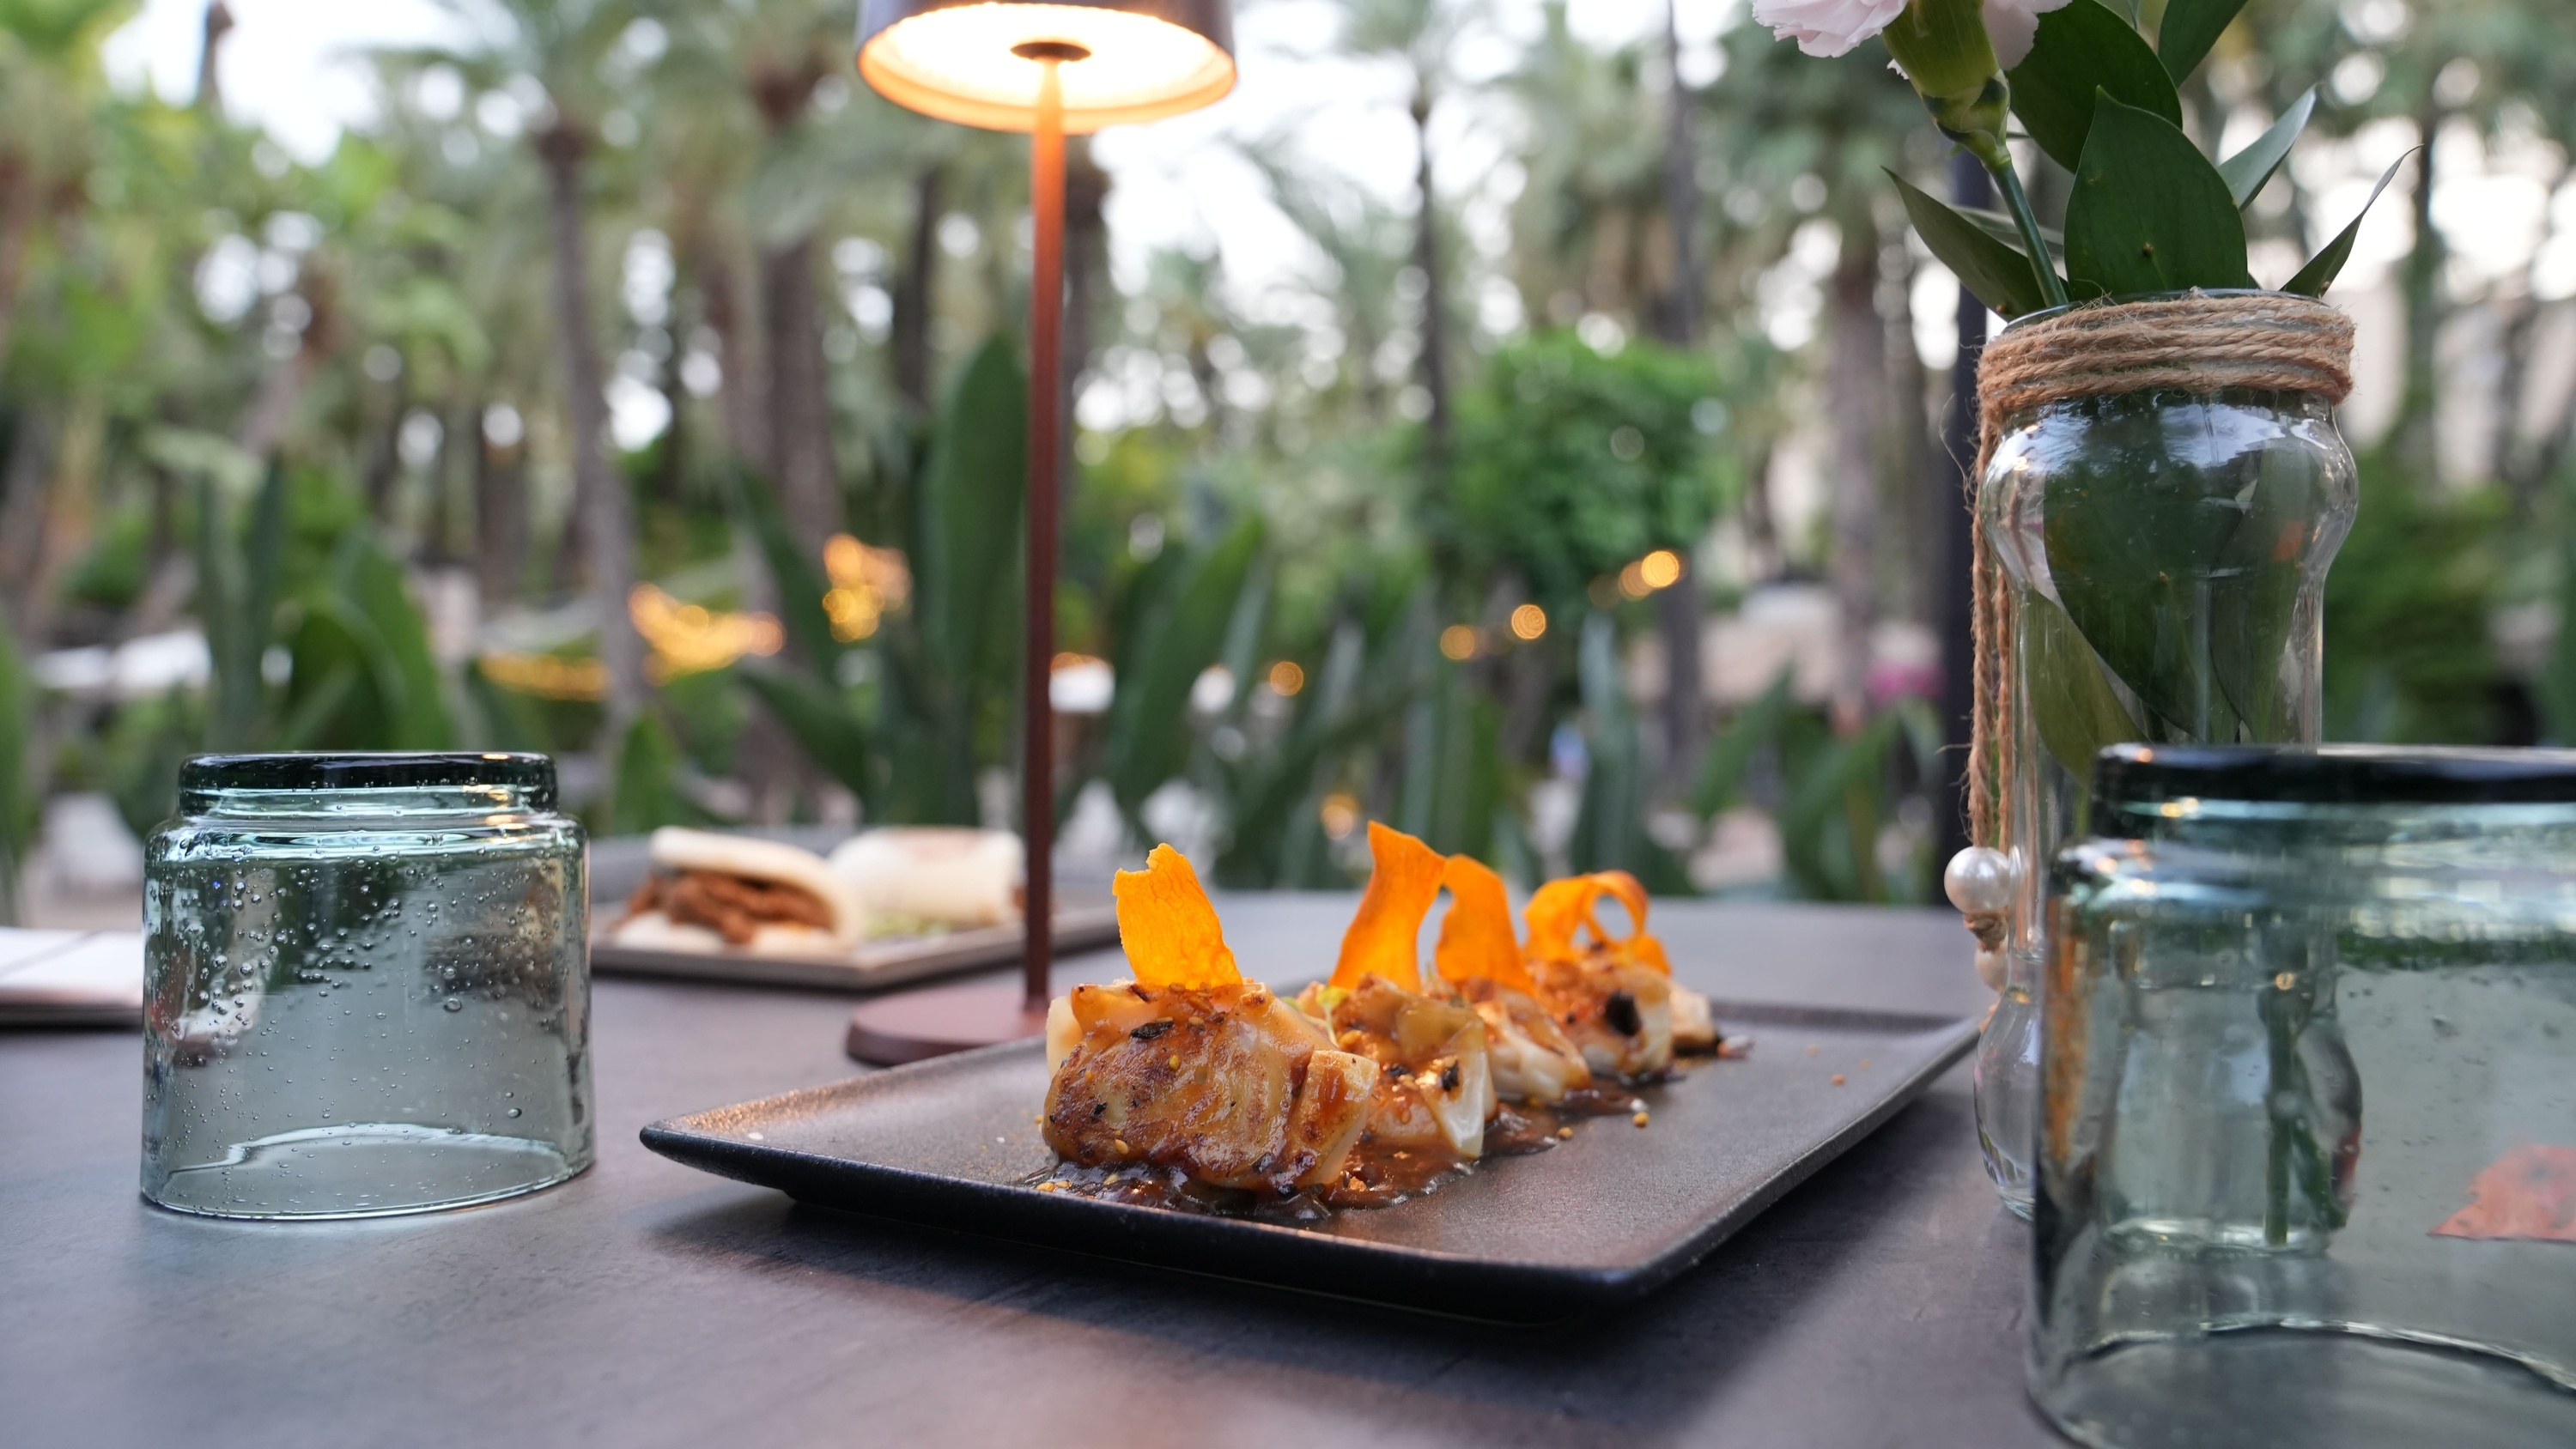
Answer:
(1838, 1079)
(1639, 1119)
(1564, 1134)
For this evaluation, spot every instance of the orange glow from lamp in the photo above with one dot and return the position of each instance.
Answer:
(1052, 68)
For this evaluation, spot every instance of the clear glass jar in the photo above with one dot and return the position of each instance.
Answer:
(2307, 1159)
(2165, 556)
(366, 989)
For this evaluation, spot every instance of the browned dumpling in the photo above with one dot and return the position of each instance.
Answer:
(1227, 1083)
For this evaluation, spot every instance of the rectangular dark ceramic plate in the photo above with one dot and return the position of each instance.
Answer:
(1604, 1217)
(1080, 925)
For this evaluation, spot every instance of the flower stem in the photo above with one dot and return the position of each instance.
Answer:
(1999, 162)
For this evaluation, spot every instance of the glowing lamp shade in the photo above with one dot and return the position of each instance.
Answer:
(978, 64)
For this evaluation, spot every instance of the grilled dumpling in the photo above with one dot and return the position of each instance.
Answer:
(1191, 1066)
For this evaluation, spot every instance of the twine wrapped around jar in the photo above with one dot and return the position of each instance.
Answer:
(2197, 343)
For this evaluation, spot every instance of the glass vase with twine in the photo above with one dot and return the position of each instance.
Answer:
(2160, 491)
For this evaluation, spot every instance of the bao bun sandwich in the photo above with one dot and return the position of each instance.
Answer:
(710, 891)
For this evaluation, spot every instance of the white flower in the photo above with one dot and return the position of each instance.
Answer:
(2011, 25)
(1832, 27)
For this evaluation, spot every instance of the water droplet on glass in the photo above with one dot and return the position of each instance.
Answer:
(455, 1005)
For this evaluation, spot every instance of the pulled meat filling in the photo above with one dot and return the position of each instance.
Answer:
(734, 907)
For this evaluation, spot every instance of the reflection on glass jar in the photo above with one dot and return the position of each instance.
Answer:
(366, 988)
(2166, 555)
(2307, 1156)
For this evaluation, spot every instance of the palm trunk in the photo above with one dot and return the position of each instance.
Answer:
(1858, 387)
(916, 293)
(1680, 314)
(1435, 297)
(1678, 607)
(800, 406)
(2421, 279)
(70, 516)
(500, 518)
(601, 511)
(18, 206)
(741, 399)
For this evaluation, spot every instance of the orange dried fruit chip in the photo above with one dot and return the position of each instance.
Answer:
(1476, 937)
(1168, 927)
(1561, 908)
(1400, 891)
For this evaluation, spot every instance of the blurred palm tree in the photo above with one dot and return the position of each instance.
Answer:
(569, 51)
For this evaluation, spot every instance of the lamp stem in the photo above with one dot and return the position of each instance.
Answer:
(1046, 394)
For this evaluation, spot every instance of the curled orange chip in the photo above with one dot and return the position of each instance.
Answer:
(1168, 927)
(1476, 938)
(1561, 908)
(1400, 891)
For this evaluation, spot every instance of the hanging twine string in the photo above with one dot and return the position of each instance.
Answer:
(2195, 343)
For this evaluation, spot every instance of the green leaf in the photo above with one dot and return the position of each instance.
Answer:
(2149, 213)
(2080, 50)
(2075, 707)
(798, 577)
(967, 572)
(1998, 274)
(2254, 590)
(17, 803)
(1183, 638)
(2321, 270)
(1721, 770)
(2189, 29)
(372, 584)
(645, 794)
(2247, 170)
(821, 722)
(2000, 226)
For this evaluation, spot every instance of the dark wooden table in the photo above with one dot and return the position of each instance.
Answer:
(1881, 1303)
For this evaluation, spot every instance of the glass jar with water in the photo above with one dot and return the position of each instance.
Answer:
(366, 991)
(2307, 1139)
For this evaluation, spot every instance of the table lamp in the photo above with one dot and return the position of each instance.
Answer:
(1065, 67)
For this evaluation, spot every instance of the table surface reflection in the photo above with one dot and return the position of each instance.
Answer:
(645, 1304)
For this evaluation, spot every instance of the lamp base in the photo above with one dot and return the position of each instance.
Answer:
(919, 1025)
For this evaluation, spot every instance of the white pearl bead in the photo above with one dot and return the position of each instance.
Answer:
(1979, 881)
(1990, 970)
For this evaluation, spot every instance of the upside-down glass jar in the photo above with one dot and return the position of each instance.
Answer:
(366, 989)
(2164, 558)
(2307, 1159)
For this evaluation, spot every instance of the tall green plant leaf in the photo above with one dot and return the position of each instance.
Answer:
(645, 792)
(2130, 548)
(2149, 213)
(966, 569)
(2076, 709)
(824, 727)
(2322, 269)
(372, 583)
(17, 802)
(2080, 50)
(1610, 823)
(1829, 824)
(2247, 170)
(2254, 591)
(794, 570)
(1721, 770)
(237, 590)
(1177, 642)
(2189, 29)
(1995, 272)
